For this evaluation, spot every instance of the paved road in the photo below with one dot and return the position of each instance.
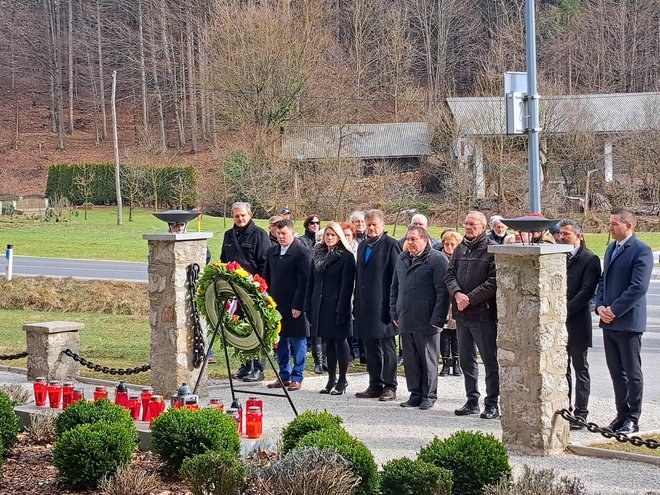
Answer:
(80, 269)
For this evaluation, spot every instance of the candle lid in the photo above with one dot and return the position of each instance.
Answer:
(254, 409)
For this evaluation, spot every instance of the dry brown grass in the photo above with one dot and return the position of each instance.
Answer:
(80, 296)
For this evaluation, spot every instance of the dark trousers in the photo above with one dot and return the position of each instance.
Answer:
(577, 359)
(420, 361)
(482, 335)
(449, 343)
(289, 347)
(381, 363)
(624, 360)
(338, 353)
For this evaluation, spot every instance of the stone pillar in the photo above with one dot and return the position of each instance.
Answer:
(531, 307)
(45, 343)
(172, 331)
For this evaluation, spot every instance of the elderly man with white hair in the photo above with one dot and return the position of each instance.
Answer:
(498, 231)
(419, 220)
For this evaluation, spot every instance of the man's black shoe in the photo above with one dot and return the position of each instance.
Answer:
(254, 376)
(628, 427)
(616, 424)
(242, 372)
(426, 404)
(318, 369)
(490, 412)
(576, 427)
(411, 403)
(469, 407)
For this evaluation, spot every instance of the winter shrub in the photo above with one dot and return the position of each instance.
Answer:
(408, 477)
(360, 457)
(8, 422)
(537, 482)
(305, 423)
(88, 453)
(99, 411)
(214, 473)
(181, 433)
(474, 459)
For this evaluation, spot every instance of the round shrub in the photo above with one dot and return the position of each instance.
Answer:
(99, 411)
(408, 477)
(8, 422)
(88, 453)
(475, 460)
(305, 423)
(181, 433)
(214, 473)
(351, 449)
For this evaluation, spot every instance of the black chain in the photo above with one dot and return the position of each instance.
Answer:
(199, 351)
(105, 369)
(9, 357)
(606, 432)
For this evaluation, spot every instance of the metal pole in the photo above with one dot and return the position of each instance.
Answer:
(10, 262)
(533, 108)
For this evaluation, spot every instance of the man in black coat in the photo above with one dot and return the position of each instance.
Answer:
(247, 244)
(471, 283)
(286, 271)
(376, 259)
(419, 302)
(583, 269)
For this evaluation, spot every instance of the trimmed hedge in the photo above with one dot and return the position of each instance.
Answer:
(8, 422)
(351, 449)
(62, 183)
(87, 453)
(99, 411)
(305, 423)
(475, 459)
(408, 477)
(179, 433)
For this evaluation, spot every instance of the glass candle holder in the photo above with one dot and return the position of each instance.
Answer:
(145, 397)
(253, 422)
(254, 401)
(100, 392)
(67, 394)
(156, 407)
(232, 412)
(78, 394)
(55, 394)
(121, 395)
(134, 406)
(40, 391)
(215, 403)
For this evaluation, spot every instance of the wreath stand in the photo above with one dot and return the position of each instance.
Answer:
(219, 327)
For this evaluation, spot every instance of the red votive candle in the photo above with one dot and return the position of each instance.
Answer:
(40, 391)
(134, 406)
(121, 395)
(215, 403)
(156, 407)
(145, 396)
(100, 392)
(253, 422)
(78, 394)
(55, 394)
(67, 394)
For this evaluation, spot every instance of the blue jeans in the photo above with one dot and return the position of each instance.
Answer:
(287, 348)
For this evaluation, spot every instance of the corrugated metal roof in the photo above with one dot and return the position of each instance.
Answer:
(356, 141)
(606, 113)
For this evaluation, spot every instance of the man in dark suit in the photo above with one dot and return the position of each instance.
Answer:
(286, 271)
(247, 244)
(376, 260)
(621, 306)
(583, 269)
(419, 302)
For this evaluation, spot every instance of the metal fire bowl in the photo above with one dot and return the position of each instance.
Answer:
(530, 223)
(176, 216)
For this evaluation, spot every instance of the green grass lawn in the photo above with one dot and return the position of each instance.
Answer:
(99, 237)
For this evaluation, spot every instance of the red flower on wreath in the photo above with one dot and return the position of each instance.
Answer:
(234, 265)
(263, 285)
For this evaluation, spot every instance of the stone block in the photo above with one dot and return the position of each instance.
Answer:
(45, 343)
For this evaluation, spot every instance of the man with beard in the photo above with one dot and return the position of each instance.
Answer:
(247, 244)
(376, 260)
(471, 284)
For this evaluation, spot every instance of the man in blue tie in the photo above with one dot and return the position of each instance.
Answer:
(621, 306)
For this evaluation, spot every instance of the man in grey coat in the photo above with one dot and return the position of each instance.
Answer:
(419, 302)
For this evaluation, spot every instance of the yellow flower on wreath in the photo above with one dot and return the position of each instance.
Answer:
(242, 273)
(279, 327)
(271, 302)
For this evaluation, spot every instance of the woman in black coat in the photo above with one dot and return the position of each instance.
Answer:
(328, 304)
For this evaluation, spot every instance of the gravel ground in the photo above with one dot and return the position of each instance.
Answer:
(391, 431)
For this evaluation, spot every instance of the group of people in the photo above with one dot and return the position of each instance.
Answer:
(350, 289)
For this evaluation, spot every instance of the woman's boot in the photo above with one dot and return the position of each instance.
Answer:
(457, 367)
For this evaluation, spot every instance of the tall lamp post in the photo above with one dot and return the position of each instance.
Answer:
(533, 109)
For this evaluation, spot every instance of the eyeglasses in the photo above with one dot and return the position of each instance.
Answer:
(314, 223)
(472, 224)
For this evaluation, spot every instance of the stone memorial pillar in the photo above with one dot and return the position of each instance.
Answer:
(531, 307)
(170, 316)
(45, 343)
